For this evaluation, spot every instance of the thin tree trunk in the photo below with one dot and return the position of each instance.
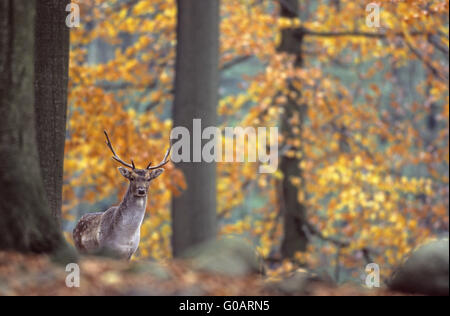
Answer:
(196, 96)
(294, 221)
(51, 79)
(26, 223)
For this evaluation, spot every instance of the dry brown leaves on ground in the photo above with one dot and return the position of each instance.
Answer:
(38, 275)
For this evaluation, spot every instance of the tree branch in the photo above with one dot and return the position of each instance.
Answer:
(432, 40)
(235, 61)
(427, 63)
(315, 232)
(307, 32)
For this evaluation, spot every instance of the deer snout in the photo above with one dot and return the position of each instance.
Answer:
(141, 191)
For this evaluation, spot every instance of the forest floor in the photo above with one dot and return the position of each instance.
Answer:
(38, 275)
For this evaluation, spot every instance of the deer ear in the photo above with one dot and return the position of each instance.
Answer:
(156, 173)
(125, 172)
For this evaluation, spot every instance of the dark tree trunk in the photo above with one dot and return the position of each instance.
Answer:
(196, 96)
(294, 220)
(51, 79)
(26, 223)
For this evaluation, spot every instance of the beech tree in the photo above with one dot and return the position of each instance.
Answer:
(196, 97)
(51, 80)
(294, 210)
(26, 221)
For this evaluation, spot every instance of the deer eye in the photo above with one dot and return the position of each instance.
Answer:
(132, 179)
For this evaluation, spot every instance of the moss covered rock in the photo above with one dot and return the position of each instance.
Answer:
(425, 271)
(228, 256)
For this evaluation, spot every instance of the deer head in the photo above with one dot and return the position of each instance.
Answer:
(139, 178)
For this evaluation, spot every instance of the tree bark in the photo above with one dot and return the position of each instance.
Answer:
(196, 96)
(26, 223)
(295, 238)
(51, 80)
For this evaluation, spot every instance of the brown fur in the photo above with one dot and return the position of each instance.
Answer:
(85, 234)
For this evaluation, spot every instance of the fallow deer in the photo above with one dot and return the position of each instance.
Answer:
(117, 231)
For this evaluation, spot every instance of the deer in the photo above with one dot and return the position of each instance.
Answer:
(116, 232)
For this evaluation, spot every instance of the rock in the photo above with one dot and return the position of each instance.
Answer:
(425, 271)
(292, 285)
(153, 269)
(297, 283)
(228, 256)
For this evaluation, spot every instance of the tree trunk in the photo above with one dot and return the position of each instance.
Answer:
(51, 79)
(26, 223)
(294, 220)
(196, 96)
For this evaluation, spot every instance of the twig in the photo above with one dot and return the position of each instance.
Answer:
(337, 271)
(306, 32)
(314, 231)
(235, 61)
(426, 62)
(432, 40)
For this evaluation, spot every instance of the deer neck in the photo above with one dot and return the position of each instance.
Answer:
(131, 211)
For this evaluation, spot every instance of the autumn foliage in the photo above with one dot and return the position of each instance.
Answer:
(373, 145)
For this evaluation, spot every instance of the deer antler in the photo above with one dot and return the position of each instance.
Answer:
(164, 162)
(115, 157)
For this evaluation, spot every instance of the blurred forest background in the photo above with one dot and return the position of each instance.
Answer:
(363, 114)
